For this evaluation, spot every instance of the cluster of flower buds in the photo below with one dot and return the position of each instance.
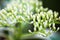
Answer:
(25, 10)
(15, 12)
(44, 19)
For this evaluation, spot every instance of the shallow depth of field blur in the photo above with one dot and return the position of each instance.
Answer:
(29, 20)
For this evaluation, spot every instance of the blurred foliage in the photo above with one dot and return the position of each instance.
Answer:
(22, 15)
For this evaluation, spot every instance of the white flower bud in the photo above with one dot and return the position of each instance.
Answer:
(49, 24)
(50, 20)
(34, 18)
(29, 31)
(34, 28)
(42, 14)
(46, 9)
(55, 14)
(45, 23)
(54, 26)
(3, 11)
(50, 12)
(40, 28)
(58, 28)
(3, 16)
(41, 8)
(47, 16)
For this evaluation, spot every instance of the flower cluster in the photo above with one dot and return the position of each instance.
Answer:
(44, 20)
(15, 12)
(25, 10)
